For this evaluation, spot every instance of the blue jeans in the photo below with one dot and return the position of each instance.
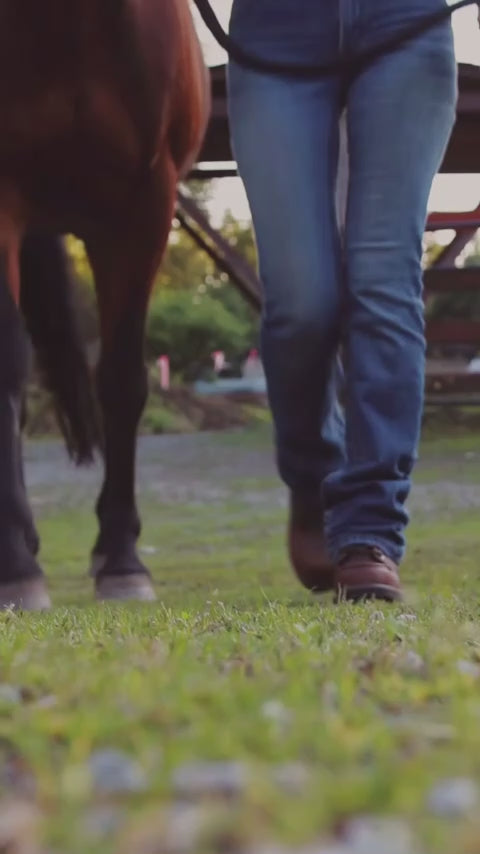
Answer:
(359, 293)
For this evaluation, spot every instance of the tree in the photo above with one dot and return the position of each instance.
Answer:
(189, 329)
(458, 304)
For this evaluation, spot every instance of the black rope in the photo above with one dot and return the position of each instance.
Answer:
(256, 63)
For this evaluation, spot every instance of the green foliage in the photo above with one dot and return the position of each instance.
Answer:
(186, 267)
(196, 309)
(188, 328)
(159, 419)
(208, 312)
(79, 259)
(431, 250)
(456, 304)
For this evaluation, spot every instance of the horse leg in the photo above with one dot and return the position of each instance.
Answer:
(124, 266)
(22, 584)
(32, 538)
(31, 533)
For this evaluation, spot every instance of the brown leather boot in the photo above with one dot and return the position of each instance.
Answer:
(306, 543)
(364, 572)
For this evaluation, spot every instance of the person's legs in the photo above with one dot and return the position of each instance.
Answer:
(400, 115)
(285, 137)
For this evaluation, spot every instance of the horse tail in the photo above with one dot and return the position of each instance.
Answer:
(48, 306)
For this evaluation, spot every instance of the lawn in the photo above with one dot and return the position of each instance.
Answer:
(239, 714)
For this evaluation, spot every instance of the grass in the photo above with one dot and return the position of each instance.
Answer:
(237, 663)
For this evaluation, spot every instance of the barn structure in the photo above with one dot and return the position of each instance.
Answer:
(444, 379)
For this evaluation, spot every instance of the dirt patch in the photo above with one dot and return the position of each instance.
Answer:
(205, 413)
(177, 411)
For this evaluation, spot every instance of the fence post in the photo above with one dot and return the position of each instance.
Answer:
(163, 364)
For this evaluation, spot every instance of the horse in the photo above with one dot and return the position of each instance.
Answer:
(103, 108)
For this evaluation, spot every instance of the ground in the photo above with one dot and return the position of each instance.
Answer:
(240, 713)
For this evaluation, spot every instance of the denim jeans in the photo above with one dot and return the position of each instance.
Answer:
(359, 293)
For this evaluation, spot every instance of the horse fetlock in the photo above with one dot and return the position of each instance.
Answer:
(118, 564)
(116, 553)
(17, 560)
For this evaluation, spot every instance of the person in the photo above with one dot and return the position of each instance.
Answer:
(356, 292)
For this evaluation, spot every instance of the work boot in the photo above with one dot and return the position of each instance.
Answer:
(306, 542)
(364, 572)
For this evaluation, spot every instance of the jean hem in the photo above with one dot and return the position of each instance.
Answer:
(336, 545)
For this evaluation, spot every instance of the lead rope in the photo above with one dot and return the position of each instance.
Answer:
(301, 72)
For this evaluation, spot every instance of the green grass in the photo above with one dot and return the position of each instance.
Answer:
(236, 662)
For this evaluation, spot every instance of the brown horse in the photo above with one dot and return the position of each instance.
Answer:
(103, 106)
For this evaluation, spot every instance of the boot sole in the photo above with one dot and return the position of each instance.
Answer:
(359, 593)
(327, 585)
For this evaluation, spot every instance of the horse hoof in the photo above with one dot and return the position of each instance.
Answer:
(97, 563)
(135, 587)
(28, 595)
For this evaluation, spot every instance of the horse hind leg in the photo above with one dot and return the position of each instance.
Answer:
(32, 538)
(124, 264)
(22, 583)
